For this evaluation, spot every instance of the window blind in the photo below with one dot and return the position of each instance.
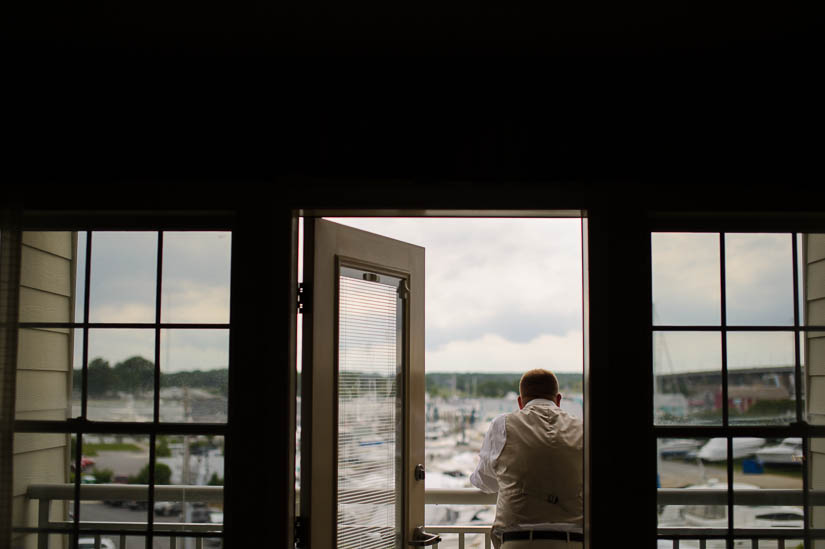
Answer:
(369, 412)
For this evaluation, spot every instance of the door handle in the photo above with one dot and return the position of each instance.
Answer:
(423, 539)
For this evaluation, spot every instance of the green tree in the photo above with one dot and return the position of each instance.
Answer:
(163, 475)
(102, 476)
(215, 480)
(135, 374)
(163, 447)
(101, 378)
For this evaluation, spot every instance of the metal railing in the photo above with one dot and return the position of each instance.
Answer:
(46, 493)
(464, 496)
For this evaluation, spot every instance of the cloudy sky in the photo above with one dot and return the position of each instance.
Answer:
(502, 295)
(195, 288)
(687, 292)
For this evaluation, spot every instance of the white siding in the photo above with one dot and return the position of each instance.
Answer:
(44, 368)
(814, 254)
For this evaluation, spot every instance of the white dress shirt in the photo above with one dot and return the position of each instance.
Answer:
(484, 477)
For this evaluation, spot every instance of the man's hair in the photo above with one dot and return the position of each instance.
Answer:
(538, 383)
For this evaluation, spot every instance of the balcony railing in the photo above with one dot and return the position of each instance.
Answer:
(46, 493)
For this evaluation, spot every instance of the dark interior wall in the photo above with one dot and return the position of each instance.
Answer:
(562, 91)
(620, 110)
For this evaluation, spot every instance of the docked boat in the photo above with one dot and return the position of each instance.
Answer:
(678, 447)
(788, 452)
(716, 449)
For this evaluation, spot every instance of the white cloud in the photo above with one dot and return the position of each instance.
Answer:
(492, 353)
(518, 278)
(191, 301)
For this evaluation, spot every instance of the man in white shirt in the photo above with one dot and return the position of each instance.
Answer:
(532, 458)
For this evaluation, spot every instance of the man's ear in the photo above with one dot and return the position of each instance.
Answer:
(558, 399)
(520, 403)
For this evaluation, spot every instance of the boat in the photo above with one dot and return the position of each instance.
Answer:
(788, 452)
(716, 449)
(702, 517)
(678, 447)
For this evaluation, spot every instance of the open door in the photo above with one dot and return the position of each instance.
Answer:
(362, 403)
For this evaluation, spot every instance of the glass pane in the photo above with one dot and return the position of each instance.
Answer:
(189, 461)
(816, 483)
(77, 372)
(370, 449)
(182, 542)
(687, 464)
(80, 277)
(121, 375)
(761, 465)
(43, 378)
(41, 459)
(46, 259)
(123, 277)
(194, 375)
(813, 356)
(196, 268)
(53, 541)
(132, 542)
(687, 370)
(116, 459)
(681, 469)
(686, 279)
(759, 279)
(761, 378)
(813, 290)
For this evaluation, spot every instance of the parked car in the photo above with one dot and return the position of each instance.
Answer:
(118, 479)
(200, 514)
(167, 508)
(135, 505)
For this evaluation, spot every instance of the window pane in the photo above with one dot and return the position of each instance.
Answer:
(41, 460)
(196, 271)
(54, 541)
(766, 464)
(194, 375)
(688, 378)
(813, 254)
(816, 483)
(121, 375)
(77, 372)
(46, 260)
(687, 464)
(123, 277)
(43, 374)
(759, 279)
(80, 277)
(686, 283)
(813, 353)
(761, 378)
(190, 461)
(370, 438)
(117, 459)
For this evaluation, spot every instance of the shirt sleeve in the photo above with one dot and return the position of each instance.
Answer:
(484, 477)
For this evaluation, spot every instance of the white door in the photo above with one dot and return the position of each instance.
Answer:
(363, 385)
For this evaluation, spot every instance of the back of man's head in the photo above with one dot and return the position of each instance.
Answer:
(538, 383)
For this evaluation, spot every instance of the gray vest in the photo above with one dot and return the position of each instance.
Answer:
(540, 469)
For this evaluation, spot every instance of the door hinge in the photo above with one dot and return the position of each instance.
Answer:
(302, 298)
(299, 532)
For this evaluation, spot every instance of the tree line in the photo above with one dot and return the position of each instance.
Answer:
(488, 385)
(448, 385)
(137, 374)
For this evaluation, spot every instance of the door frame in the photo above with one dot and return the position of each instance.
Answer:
(305, 530)
(319, 433)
